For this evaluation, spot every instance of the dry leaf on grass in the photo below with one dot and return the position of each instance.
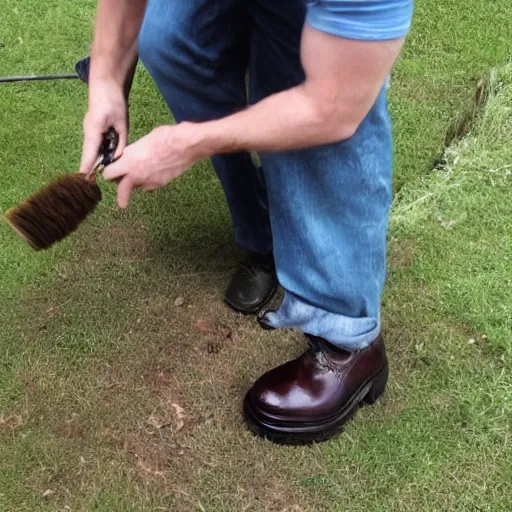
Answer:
(11, 422)
(166, 418)
(158, 422)
(180, 417)
(52, 311)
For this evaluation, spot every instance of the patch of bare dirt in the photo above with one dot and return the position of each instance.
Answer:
(127, 241)
(400, 254)
(151, 390)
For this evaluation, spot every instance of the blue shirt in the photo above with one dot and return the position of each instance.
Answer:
(368, 20)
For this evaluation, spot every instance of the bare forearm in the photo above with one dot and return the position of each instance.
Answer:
(289, 120)
(114, 49)
(343, 79)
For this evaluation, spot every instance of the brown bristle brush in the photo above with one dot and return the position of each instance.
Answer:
(57, 210)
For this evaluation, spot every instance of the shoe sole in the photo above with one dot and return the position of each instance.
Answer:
(256, 309)
(307, 433)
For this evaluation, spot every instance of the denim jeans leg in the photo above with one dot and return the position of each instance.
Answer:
(197, 52)
(329, 205)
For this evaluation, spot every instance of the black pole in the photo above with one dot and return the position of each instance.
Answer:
(32, 78)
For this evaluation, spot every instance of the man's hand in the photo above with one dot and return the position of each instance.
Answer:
(107, 107)
(113, 60)
(155, 160)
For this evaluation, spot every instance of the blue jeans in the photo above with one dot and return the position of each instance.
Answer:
(324, 210)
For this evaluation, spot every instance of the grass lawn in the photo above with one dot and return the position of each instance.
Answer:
(116, 396)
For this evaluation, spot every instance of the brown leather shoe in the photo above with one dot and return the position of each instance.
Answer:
(312, 397)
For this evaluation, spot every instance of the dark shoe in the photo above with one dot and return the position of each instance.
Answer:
(312, 397)
(252, 285)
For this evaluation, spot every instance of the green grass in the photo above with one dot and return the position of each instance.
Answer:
(96, 355)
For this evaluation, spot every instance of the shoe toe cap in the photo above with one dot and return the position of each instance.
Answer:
(272, 395)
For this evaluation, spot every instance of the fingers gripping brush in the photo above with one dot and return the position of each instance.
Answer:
(58, 209)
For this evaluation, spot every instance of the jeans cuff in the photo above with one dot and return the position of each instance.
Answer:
(342, 331)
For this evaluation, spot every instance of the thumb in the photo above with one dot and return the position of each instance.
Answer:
(122, 131)
(92, 141)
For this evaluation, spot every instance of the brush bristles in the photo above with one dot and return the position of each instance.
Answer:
(55, 211)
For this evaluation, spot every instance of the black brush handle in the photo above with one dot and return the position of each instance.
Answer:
(108, 146)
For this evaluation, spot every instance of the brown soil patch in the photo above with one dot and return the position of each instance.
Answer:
(157, 388)
(400, 254)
